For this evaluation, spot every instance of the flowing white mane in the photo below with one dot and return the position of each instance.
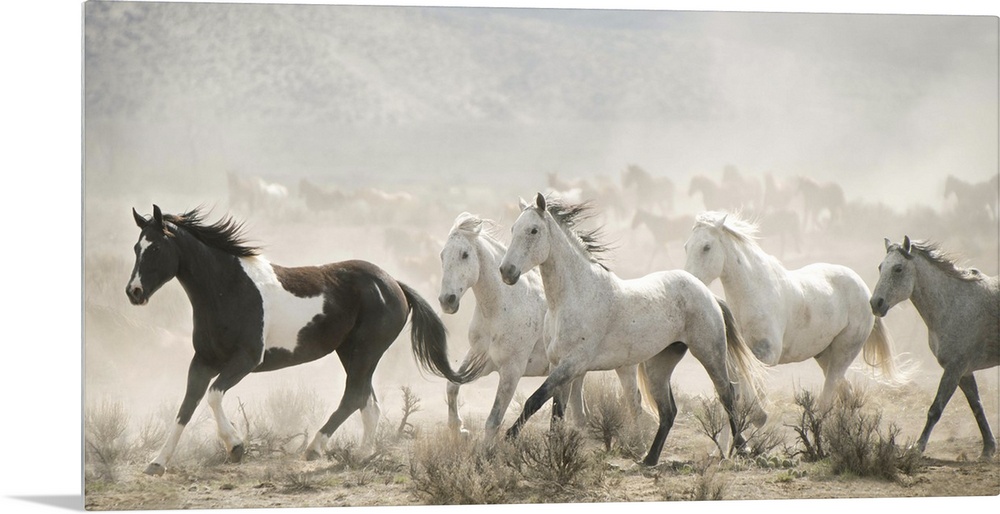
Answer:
(733, 224)
(471, 225)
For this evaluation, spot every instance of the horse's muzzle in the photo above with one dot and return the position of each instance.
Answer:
(136, 295)
(449, 303)
(879, 307)
(509, 274)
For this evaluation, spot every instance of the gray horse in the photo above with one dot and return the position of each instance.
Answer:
(961, 308)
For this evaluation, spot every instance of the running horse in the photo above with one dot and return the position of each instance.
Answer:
(601, 322)
(961, 308)
(819, 311)
(251, 315)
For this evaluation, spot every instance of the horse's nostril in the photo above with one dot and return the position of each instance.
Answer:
(450, 298)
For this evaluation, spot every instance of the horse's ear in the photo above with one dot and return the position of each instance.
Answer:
(540, 201)
(157, 214)
(522, 203)
(722, 221)
(139, 220)
(906, 245)
(887, 243)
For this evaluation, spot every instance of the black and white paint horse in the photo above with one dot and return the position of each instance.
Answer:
(251, 315)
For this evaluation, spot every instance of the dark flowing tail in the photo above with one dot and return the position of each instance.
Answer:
(430, 341)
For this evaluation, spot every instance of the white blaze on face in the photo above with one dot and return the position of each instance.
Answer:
(284, 313)
(144, 243)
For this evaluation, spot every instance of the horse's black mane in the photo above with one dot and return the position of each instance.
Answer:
(226, 234)
(569, 215)
(941, 260)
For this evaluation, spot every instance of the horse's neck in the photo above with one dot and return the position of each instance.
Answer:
(488, 287)
(568, 272)
(204, 271)
(932, 291)
(745, 267)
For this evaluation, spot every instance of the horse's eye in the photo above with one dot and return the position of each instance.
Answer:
(897, 269)
(465, 255)
(534, 231)
(706, 248)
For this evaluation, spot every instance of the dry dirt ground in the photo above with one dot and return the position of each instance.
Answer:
(346, 478)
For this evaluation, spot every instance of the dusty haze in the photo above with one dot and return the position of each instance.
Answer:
(447, 110)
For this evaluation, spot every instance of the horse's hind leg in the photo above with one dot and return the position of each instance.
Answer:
(359, 363)
(658, 371)
(370, 415)
(835, 360)
(971, 390)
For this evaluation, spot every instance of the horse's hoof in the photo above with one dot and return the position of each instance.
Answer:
(155, 470)
(988, 454)
(312, 455)
(236, 454)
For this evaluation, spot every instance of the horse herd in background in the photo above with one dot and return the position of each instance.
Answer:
(549, 305)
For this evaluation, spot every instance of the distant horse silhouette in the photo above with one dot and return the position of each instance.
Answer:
(254, 193)
(720, 195)
(664, 229)
(961, 308)
(321, 198)
(778, 194)
(747, 188)
(252, 316)
(603, 322)
(975, 199)
(818, 199)
(652, 193)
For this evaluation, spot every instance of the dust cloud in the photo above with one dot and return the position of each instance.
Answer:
(362, 132)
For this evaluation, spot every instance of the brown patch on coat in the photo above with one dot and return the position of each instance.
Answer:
(303, 282)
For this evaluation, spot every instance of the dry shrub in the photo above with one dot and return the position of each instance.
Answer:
(611, 421)
(809, 428)
(859, 445)
(712, 421)
(105, 435)
(446, 469)
(557, 457)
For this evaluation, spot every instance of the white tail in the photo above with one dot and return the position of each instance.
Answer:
(878, 354)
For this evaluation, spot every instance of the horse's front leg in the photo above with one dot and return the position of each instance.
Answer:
(561, 376)
(455, 423)
(199, 375)
(946, 388)
(628, 376)
(235, 370)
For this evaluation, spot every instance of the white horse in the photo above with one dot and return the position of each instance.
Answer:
(507, 328)
(602, 322)
(820, 311)
(961, 308)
